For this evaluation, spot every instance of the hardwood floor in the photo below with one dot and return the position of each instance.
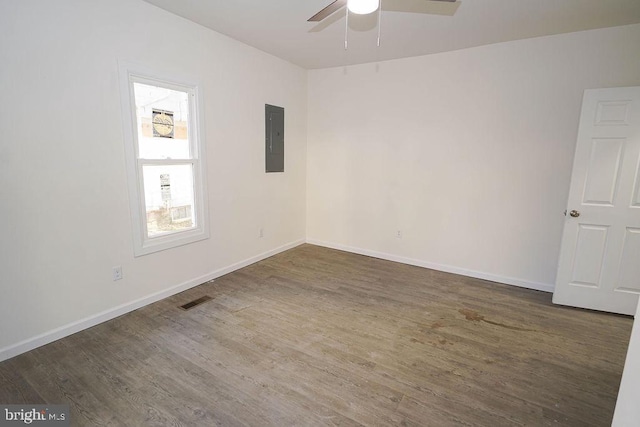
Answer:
(315, 336)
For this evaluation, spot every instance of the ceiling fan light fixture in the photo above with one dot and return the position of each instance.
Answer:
(363, 7)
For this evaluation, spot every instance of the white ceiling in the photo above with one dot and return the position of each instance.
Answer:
(280, 27)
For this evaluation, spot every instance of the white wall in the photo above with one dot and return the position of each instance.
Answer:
(627, 412)
(65, 219)
(468, 153)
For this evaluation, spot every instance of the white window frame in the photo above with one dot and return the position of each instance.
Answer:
(143, 244)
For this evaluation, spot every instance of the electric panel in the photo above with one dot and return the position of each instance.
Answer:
(274, 137)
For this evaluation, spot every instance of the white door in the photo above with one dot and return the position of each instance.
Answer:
(599, 265)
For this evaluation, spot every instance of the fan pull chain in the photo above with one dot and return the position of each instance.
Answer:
(346, 29)
(379, 21)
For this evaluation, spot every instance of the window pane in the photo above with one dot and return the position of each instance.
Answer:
(168, 194)
(162, 117)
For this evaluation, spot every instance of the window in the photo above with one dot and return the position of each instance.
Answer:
(164, 160)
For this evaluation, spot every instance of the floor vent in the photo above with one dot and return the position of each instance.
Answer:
(195, 302)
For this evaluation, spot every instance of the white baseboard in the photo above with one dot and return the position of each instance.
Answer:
(440, 267)
(72, 328)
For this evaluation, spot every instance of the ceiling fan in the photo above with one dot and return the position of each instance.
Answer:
(360, 7)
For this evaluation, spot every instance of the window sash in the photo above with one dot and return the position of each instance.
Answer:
(192, 128)
(195, 170)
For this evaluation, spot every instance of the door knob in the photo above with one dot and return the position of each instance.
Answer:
(574, 213)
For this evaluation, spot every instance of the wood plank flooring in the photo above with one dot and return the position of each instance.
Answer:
(316, 337)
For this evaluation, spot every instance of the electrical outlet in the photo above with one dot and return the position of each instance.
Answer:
(399, 234)
(261, 232)
(117, 273)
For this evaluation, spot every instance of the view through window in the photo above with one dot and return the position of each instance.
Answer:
(162, 117)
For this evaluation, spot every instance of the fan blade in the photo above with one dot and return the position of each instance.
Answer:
(337, 4)
(432, 7)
